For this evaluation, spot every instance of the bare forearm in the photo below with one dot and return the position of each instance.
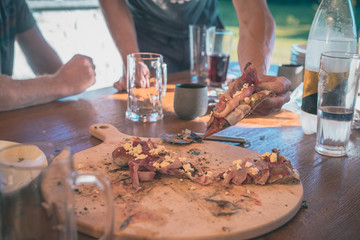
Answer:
(15, 94)
(256, 33)
(40, 55)
(45, 62)
(121, 25)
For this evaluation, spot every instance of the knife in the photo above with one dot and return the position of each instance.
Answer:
(223, 138)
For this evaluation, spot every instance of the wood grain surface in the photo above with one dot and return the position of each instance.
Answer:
(331, 185)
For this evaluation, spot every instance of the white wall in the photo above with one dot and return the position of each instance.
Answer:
(77, 31)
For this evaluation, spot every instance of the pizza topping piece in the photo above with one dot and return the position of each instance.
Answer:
(159, 150)
(232, 103)
(146, 176)
(133, 149)
(254, 171)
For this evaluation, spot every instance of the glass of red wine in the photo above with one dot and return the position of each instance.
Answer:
(218, 50)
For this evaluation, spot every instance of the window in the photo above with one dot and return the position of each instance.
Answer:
(40, 5)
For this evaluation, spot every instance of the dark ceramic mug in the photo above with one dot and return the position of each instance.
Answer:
(190, 100)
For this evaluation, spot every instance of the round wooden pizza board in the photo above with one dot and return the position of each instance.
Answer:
(173, 208)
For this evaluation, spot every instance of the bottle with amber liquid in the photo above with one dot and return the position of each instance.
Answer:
(333, 29)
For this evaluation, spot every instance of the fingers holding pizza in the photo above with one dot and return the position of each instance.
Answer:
(244, 95)
(280, 86)
(272, 105)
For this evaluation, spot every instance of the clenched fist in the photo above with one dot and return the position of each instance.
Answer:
(76, 75)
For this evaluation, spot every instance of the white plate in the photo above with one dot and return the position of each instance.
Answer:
(13, 174)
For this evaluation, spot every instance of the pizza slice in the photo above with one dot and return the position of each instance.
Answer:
(146, 159)
(237, 102)
(270, 168)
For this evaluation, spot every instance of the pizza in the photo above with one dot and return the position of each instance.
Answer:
(237, 102)
(146, 160)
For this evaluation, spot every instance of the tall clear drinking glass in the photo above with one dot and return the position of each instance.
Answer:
(338, 83)
(198, 57)
(146, 85)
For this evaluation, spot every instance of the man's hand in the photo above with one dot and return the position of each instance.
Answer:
(142, 78)
(280, 86)
(76, 75)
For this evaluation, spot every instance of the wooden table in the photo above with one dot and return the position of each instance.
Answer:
(331, 185)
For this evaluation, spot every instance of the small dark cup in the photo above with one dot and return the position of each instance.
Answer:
(191, 100)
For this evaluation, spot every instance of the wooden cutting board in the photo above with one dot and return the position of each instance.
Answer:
(173, 208)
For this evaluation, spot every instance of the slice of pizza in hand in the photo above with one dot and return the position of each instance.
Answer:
(237, 102)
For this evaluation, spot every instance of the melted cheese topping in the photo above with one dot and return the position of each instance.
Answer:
(140, 156)
(164, 164)
(237, 163)
(159, 149)
(248, 164)
(169, 159)
(187, 168)
(128, 146)
(134, 151)
(273, 157)
(254, 170)
(246, 85)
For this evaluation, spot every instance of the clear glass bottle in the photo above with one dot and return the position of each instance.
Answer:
(333, 29)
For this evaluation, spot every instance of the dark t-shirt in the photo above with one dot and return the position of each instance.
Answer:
(162, 26)
(15, 17)
(172, 17)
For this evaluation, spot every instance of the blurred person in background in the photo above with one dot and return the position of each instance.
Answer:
(54, 80)
(162, 26)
